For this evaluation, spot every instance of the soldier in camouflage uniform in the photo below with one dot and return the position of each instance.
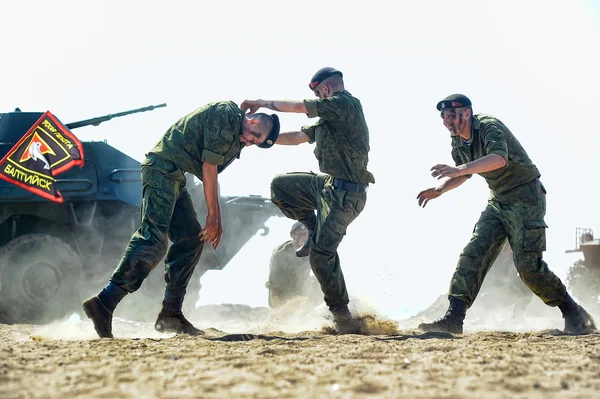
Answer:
(482, 144)
(203, 143)
(289, 275)
(339, 195)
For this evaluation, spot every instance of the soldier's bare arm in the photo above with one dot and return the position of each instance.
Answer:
(292, 138)
(432, 193)
(275, 105)
(211, 233)
(485, 164)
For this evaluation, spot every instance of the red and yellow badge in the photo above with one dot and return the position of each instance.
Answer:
(47, 149)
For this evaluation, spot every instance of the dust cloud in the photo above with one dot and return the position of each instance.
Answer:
(300, 315)
(294, 352)
(296, 316)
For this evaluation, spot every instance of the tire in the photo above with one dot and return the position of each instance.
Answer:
(40, 276)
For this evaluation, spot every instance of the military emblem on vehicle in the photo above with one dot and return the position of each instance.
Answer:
(47, 149)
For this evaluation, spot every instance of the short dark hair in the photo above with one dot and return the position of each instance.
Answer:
(270, 125)
(265, 120)
(334, 80)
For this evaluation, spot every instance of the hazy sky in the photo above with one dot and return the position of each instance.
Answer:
(533, 64)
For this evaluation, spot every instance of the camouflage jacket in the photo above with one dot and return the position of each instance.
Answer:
(209, 134)
(491, 136)
(342, 137)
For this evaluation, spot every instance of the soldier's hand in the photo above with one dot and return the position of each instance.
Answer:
(252, 105)
(441, 170)
(211, 233)
(427, 195)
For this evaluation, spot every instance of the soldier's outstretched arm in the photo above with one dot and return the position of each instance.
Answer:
(432, 193)
(485, 164)
(292, 138)
(211, 233)
(282, 106)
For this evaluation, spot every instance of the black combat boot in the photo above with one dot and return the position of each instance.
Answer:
(101, 316)
(311, 226)
(175, 322)
(100, 308)
(577, 320)
(344, 323)
(171, 319)
(452, 322)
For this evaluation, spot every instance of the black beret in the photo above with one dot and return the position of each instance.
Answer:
(454, 101)
(323, 74)
(273, 134)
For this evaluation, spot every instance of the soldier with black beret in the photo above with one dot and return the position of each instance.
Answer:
(202, 143)
(339, 194)
(482, 144)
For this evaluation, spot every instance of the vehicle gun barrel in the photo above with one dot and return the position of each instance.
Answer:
(98, 120)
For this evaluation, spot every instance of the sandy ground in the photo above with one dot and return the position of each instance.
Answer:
(65, 360)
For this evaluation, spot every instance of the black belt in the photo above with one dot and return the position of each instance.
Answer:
(350, 186)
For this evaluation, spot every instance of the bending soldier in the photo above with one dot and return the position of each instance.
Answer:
(203, 143)
(339, 195)
(483, 144)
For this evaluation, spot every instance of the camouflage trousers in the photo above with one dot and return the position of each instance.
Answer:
(518, 216)
(167, 213)
(298, 195)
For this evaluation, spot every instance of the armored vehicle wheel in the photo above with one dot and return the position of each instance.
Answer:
(40, 276)
(584, 283)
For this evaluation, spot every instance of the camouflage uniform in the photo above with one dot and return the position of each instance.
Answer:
(287, 274)
(515, 210)
(209, 134)
(342, 147)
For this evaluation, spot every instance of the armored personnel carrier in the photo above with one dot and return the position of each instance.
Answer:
(54, 254)
(583, 277)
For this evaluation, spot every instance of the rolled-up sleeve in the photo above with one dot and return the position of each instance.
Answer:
(494, 141)
(331, 108)
(311, 108)
(212, 157)
(309, 130)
